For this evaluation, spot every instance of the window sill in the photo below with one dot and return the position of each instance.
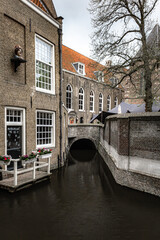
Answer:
(70, 110)
(45, 146)
(81, 110)
(45, 91)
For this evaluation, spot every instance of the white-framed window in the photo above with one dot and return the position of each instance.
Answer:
(100, 102)
(108, 103)
(14, 131)
(114, 81)
(45, 129)
(99, 75)
(81, 99)
(69, 97)
(115, 101)
(79, 67)
(91, 102)
(45, 65)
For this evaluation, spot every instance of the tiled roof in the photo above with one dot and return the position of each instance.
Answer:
(70, 56)
(39, 4)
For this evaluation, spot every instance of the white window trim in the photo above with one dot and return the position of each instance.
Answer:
(16, 124)
(79, 63)
(52, 91)
(116, 101)
(100, 75)
(109, 103)
(93, 102)
(102, 102)
(81, 110)
(69, 109)
(53, 136)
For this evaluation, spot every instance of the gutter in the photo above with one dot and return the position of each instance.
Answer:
(60, 160)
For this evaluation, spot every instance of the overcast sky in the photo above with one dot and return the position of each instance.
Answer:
(76, 24)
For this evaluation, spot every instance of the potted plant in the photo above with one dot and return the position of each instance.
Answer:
(28, 158)
(44, 152)
(5, 160)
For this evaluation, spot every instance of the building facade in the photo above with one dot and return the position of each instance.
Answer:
(86, 89)
(30, 109)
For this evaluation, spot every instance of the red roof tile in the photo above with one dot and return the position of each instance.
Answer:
(70, 56)
(39, 4)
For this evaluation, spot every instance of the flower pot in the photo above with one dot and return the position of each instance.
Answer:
(48, 155)
(29, 160)
(4, 163)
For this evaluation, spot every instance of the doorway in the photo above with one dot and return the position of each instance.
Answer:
(15, 133)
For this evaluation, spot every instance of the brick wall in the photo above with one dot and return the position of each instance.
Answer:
(19, 24)
(87, 84)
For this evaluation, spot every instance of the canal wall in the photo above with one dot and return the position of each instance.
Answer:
(130, 146)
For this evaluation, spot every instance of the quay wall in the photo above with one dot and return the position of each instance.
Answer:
(130, 146)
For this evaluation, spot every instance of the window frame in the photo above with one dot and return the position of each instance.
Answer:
(91, 101)
(81, 94)
(101, 102)
(116, 101)
(78, 69)
(52, 65)
(71, 92)
(52, 133)
(22, 123)
(108, 104)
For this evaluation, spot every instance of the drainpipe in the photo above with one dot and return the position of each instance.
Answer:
(60, 89)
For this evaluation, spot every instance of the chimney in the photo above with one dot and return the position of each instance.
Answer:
(108, 63)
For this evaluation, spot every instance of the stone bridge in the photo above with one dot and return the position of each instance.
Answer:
(84, 131)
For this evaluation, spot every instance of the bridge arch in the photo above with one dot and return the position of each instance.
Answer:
(82, 143)
(90, 132)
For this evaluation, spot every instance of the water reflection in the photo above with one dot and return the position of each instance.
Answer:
(82, 201)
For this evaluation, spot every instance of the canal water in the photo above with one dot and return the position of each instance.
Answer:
(81, 202)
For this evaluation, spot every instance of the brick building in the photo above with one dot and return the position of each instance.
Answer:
(86, 89)
(30, 109)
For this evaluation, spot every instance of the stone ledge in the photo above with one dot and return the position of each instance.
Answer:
(135, 115)
(130, 179)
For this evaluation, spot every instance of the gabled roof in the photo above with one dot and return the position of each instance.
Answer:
(47, 6)
(70, 56)
(153, 42)
(154, 36)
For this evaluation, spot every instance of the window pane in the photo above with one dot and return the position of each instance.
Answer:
(43, 64)
(44, 128)
(14, 116)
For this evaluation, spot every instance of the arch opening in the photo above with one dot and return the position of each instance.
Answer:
(83, 150)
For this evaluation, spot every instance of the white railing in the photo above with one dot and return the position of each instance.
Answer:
(36, 165)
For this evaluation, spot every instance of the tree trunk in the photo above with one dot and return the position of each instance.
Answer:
(148, 91)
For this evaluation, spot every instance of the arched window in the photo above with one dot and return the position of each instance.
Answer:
(115, 101)
(81, 119)
(81, 99)
(100, 102)
(108, 103)
(91, 102)
(69, 97)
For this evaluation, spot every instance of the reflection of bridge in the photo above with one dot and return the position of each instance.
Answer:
(84, 131)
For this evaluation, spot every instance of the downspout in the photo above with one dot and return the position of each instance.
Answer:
(60, 163)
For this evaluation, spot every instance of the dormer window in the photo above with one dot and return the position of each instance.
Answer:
(79, 67)
(114, 81)
(100, 76)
